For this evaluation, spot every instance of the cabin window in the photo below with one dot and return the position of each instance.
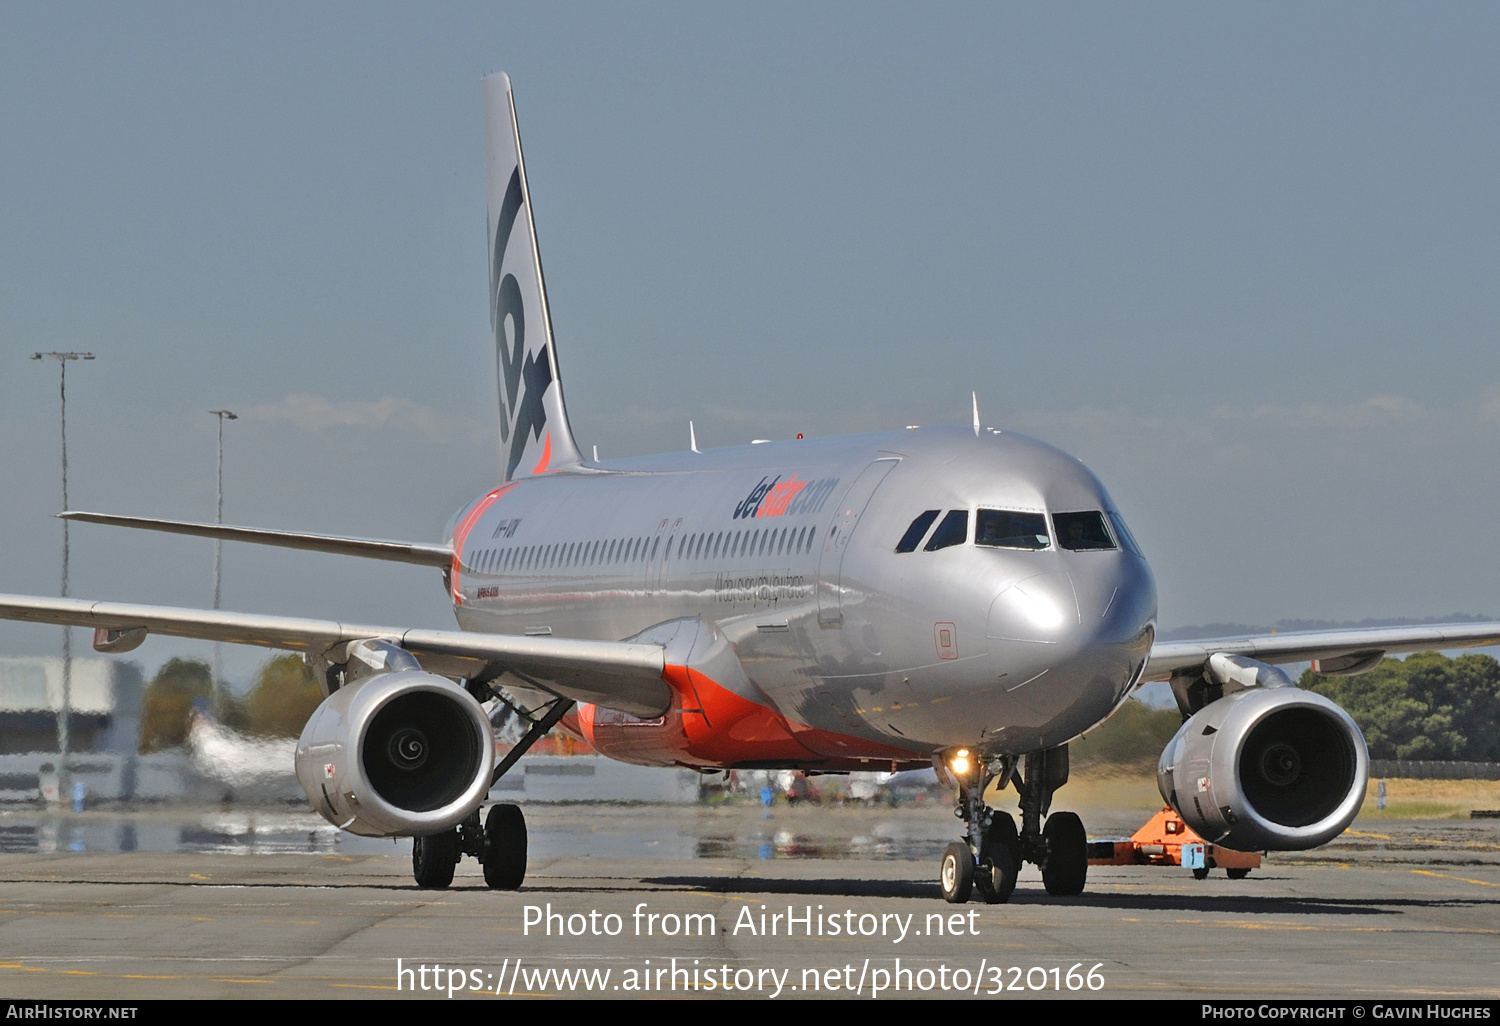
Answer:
(954, 530)
(917, 531)
(1082, 531)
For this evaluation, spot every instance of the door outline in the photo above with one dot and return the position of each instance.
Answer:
(841, 527)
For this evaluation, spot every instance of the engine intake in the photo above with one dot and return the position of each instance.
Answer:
(401, 753)
(1276, 769)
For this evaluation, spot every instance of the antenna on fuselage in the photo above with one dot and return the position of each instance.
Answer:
(596, 454)
(693, 438)
(976, 413)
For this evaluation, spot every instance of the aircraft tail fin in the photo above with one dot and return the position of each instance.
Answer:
(535, 436)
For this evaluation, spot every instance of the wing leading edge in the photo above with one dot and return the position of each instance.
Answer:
(617, 675)
(369, 548)
(1341, 651)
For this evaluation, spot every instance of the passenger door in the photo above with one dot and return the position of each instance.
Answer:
(840, 529)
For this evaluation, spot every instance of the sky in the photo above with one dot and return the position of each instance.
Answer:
(1239, 259)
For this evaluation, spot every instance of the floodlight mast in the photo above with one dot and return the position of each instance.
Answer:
(63, 359)
(222, 416)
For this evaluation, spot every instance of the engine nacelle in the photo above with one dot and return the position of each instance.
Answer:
(1266, 769)
(396, 754)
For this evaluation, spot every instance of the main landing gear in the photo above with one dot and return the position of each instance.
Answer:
(990, 855)
(500, 844)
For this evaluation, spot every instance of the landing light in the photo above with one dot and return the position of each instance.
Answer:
(960, 762)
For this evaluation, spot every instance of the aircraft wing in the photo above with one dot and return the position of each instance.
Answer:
(618, 675)
(1342, 651)
(369, 548)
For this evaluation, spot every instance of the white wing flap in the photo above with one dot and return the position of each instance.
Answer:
(619, 675)
(1304, 646)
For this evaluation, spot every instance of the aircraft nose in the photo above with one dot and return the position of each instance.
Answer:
(1041, 608)
(1072, 641)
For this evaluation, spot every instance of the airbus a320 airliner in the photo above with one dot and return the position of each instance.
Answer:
(960, 597)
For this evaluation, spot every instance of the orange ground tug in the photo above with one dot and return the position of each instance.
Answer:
(1166, 840)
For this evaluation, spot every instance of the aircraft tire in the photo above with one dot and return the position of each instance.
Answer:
(1066, 868)
(999, 861)
(957, 875)
(433, 858)
(504, 848)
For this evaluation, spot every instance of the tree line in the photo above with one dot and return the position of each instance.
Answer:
(279, 703)
(1426, 706)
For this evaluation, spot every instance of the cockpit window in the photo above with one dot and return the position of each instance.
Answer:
(954, 530)
(1009, 530)
(918, 529)
(1080, 531)
(1123, 533)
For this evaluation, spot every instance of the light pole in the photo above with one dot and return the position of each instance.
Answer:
(222, 416)
(63, 359)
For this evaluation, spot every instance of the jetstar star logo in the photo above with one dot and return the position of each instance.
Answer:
(522, 416)
(774, 497)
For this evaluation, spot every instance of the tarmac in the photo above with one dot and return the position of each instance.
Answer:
(733, 900)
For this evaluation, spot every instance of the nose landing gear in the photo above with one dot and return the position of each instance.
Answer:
(990, 856)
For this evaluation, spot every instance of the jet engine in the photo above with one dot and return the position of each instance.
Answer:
(1266, 769)
(397, 753)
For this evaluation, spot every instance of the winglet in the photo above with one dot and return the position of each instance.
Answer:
(976, 413)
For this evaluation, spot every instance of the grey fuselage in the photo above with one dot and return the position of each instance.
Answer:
(789, 550)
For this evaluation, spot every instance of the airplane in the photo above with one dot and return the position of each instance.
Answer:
(960, 597)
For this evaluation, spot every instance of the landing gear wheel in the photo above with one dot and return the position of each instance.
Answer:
(957, 876)
(434, 857)
(1238, 874)
(999, 862)
(1066, 866)
(504, 848)
(1201, 873)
